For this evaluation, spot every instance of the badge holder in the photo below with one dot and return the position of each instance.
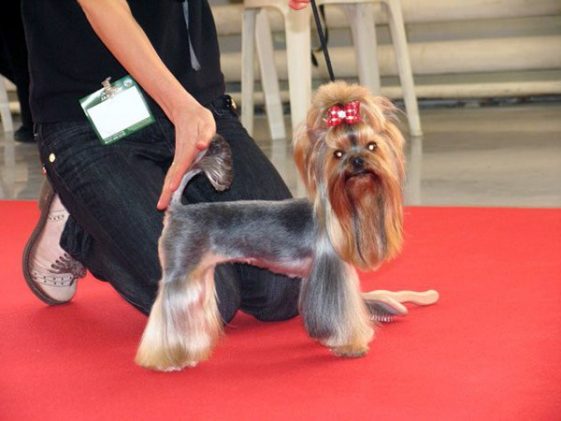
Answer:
(117, 110)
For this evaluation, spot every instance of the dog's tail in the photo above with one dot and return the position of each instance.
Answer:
(215, 162)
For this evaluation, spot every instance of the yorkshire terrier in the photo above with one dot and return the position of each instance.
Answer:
(350, 156)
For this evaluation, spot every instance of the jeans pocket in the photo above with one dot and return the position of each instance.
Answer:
(61, 142)
(53, 134)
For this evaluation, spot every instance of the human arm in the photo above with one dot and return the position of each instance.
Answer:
(298, 4)
(115, 25)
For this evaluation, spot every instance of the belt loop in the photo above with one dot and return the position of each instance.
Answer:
(222, 104)
(231, 104)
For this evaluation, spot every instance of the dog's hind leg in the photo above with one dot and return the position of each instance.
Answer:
(184, 323)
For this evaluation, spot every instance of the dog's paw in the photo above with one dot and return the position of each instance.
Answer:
(350, 351)
(170, 369)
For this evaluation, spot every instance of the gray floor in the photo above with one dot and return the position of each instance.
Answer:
(475, 156)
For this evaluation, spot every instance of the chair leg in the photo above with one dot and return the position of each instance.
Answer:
(413, 191)
(248, 68)
(361, 19)
(397, 28)
(297, 26)
(269, 77)
(5, 112)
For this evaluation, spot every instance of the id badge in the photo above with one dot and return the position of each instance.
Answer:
(117, 110)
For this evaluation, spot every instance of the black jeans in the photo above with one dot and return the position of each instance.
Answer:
(111, 193)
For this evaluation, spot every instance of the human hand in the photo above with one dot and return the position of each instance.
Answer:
(194, 129)
(298, 4)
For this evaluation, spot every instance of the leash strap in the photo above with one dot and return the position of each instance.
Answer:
(322, 41)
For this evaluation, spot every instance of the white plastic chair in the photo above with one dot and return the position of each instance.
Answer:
(256, 33)
(361, 19)
(5, 113)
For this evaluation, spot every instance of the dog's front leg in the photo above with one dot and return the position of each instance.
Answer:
(332, 308)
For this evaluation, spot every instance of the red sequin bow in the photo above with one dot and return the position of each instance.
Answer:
(348, 113)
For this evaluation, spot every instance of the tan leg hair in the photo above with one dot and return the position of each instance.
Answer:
(184, 323)
(355, 330)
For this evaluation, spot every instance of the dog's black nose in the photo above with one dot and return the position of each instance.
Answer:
(357, 163)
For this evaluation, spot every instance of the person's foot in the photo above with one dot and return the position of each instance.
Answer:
(49, 271)
(24, 135)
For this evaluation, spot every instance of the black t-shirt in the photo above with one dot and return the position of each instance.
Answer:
(68, 61)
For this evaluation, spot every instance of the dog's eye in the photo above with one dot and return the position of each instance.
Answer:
(371, 146)
(338, 154)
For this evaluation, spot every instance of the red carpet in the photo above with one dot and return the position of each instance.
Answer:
(490, 350)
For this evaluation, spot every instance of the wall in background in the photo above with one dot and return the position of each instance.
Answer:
(459, 48)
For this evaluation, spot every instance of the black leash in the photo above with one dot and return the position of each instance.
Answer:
(323, 41)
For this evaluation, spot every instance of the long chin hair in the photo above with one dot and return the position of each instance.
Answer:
(361, 212)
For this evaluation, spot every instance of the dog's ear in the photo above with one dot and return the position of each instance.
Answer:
(391, 119)
(304, 141)
(385, 105)
(301, 148)
(382, 115)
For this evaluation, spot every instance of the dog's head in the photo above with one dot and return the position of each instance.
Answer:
(350, 156)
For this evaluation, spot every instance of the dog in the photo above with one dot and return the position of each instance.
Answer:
(350, 156)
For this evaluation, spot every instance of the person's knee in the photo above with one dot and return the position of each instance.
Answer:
(227, 291)
(277, 313)
(272, 298)
(140, 298)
